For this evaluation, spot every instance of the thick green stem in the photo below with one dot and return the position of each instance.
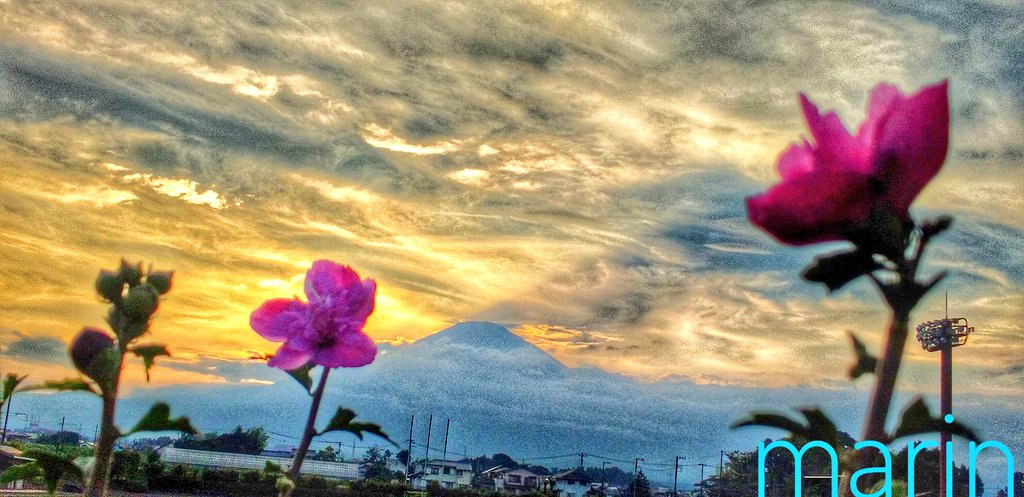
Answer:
(307, 435)
(104, 451)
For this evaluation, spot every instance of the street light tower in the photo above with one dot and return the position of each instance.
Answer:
(942, 335)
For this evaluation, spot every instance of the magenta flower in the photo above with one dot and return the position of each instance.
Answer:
(837, 183)
(328, 329)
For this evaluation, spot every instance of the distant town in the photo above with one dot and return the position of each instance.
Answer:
(215, 463)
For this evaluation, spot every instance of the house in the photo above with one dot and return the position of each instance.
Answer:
(572, 483)
(513, 481)
(448, 474)
(9, 456)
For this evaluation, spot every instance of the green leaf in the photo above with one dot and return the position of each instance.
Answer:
(839, 268)
(67, 385)
(818, 425)
(159, 419)
(54, 467)
(883, 233)
(11, 382)
(917, 419)
(148, 353)
(301, 375)
(865, 363)
(905, 297)
(342, 421)
(27, 471)
(773, 420)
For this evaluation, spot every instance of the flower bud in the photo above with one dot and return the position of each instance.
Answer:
(141, 302)
(161, 280)
(94, 353)
(131, 274)
(109, 285)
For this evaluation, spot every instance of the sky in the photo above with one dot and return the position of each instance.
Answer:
(572, 170)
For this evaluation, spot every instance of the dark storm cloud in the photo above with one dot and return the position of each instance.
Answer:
(34, 348)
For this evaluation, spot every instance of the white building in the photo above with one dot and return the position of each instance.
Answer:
(448, 474)
(514, 481)
(225, 460)
(572, 483)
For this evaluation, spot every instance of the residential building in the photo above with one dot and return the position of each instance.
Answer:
(448, 474)
(514, 481)
(572, 483)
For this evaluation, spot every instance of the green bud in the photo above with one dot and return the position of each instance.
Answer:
(140, 303)
(130, 274)
(109, 285)
(161, 280)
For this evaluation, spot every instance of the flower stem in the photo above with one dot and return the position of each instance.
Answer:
(307, 435)
(885, 376)
(109, 434)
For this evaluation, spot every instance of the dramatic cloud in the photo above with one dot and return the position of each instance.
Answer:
(574, 169)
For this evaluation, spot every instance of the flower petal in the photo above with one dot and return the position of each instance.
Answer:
(325, 279)
(278, 320)
(363, 300)
(833, 144)
(912, 145)
(352, 350)
(288, 357)
(880, 103)
(812, 208)
(796, 160)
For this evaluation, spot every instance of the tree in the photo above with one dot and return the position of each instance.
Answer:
(639, 487)
(926, 473)
(59, 438)
(377, 464)
(500, 459)
(251, 441)
(326, 454)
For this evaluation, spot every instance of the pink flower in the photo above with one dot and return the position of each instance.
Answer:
(835, 184)
(328, 329)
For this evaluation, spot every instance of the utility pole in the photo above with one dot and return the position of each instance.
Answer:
(702, 478)
(353, 450)
(604, 476)
(636, 472)
(447, 425)
(581, 461)
(3, 438)
(675, 480)
(430, 422)
(408, 455)
(721, 461)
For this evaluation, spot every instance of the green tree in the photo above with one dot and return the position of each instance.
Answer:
(639, 487)
(377, 464)
(926, 473)
(251, 441)
(326, 454)
(59, 438)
